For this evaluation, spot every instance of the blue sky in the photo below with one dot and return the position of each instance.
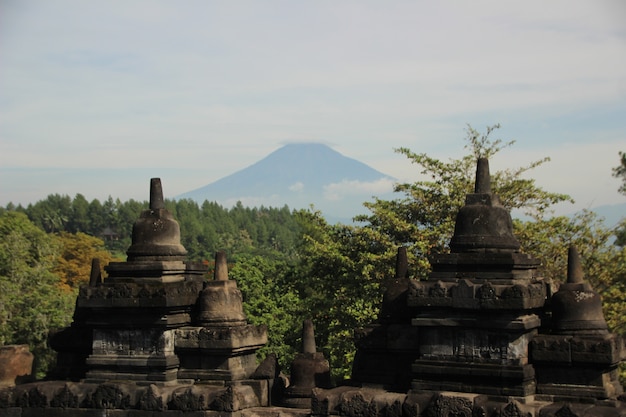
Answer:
(97, 97)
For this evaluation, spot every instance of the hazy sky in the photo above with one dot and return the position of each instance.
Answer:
(97, 97)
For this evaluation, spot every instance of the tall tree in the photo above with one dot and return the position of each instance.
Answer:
(620, 173)
(31, 300)
(270, 299)
(79, 221)
(73, 265)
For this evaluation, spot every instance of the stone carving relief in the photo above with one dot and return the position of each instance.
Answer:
(109, 396)
(65, 398)
(151, 399)
(512, 409)
(357, 406)
(187, 401)
(446, 406)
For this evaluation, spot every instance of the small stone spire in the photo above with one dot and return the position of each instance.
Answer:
(483, 178)
(308, 337)
(156, 194)
(575, 273)
(221, 302)
(309, 370)
(402, 263)
(394, 308)
(95, 277)
(156, 234)
(221, 267)
(576, 307)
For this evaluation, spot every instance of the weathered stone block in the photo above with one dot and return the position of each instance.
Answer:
(221, 339)
(599, 350)
(550, 348)
(16, 363)
(451, 404)
(430, 294)
(373, 402)
(325, 402)
(484, 378)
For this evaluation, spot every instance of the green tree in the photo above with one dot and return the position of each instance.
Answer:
(73, 265)
(339, 283)
(51, 214)
(270, 299)
(79, 221)
(31, 300)
(620, 173)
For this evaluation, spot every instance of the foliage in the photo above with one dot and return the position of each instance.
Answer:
(205, 228)
(339, 285)
(270, 299)
(73, 265)
(27, 256)
(620, 172)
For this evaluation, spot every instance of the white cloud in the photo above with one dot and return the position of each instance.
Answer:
(581, 170)
(348, 188)
(296, 187)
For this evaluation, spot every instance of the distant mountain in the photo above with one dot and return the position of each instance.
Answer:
(300, 175)
(611, 213)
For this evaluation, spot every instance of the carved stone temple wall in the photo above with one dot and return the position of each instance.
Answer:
(483, 336)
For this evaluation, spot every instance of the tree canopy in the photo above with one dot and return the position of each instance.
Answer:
(31, 299)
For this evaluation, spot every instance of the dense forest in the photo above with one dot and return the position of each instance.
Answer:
(293, 265)
(204, 229)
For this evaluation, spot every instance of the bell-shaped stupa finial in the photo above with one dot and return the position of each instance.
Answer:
(576, 307)
(156, 234)
(575, 273)
(483, 224)
(394, 307)
(221, 302)
(309, 370)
